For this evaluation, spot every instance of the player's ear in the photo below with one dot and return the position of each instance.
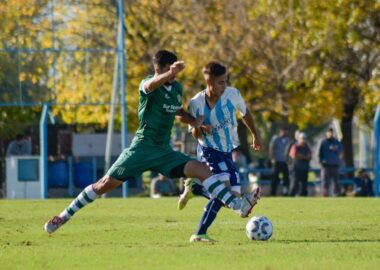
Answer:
(157, 69)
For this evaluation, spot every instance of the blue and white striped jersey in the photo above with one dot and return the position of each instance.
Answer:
(222, 118)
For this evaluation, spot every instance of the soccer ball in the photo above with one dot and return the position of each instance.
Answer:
(259, 228)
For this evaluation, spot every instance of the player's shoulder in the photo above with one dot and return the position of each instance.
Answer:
(146, 79)
(142, 82)
(232, 89)
(231, 92)
(198, 98)
(177, 85)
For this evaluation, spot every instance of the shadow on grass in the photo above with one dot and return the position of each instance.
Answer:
(328, 241)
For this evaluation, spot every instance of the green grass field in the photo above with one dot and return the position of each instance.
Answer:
(143, 233)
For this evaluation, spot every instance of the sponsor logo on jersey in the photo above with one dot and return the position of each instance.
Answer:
(226, 123)
(171, 108)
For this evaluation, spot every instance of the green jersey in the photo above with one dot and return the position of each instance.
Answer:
(157, 112)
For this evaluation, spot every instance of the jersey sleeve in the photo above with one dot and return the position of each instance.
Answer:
(142, 83)
(239, 102)
(196, 106)
(192, 108)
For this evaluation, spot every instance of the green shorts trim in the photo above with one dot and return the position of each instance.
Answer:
(141, 157)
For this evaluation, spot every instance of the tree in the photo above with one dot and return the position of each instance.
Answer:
(22, 75)
(349, 63)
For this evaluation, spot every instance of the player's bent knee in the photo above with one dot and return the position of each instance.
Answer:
(106, 184)
(197, 169)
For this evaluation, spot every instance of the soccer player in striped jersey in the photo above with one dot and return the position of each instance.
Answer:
(217, 138)
(160, 102)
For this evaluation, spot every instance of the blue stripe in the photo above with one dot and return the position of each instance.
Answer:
(221, 119)
(207, 121)
(231, 109)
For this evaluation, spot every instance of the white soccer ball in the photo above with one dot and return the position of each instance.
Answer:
(259, 228)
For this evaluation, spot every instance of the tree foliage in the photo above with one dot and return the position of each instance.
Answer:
(296, 61)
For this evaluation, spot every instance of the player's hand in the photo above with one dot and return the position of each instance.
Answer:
(198, 121)
(206, 129)
(177, 67)
(256, 145)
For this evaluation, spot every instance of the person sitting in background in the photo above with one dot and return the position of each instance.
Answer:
(363, 185)
(20, 146)
(162, 186)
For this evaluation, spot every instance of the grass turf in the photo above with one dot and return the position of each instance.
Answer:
(144, 233)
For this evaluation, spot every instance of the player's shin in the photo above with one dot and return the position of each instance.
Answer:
(211, 210)
(87, 196)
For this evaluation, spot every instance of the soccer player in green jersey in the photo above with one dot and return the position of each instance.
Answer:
(160, 103)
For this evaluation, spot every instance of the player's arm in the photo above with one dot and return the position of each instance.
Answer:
(159, 79)
(250, 124)
(197, 128)
(185, 117)
(196, 132)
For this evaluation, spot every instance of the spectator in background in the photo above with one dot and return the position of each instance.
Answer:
(278, 149)
(162, 186)
(291, 161)
(300, 153)
(241, 164)
(363, 185)
(20, 146)
(330, 152)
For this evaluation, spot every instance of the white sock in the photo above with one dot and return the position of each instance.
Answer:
(218, 190)
(87, 196)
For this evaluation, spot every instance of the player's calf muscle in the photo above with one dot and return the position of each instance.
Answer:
(106, 184)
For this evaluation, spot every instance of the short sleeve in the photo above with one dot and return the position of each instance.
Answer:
(142, 84)
(193, 108)
(196, 106)
(239, 103)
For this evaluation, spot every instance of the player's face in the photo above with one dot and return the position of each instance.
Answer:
(218, 84)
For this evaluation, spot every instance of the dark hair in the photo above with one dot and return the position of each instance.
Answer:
(331, 130)
(163, 58)
(19, 137)
(214, 69)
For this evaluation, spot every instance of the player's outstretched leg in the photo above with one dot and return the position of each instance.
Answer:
(217, 189)
(88, 195)
(242, 206)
